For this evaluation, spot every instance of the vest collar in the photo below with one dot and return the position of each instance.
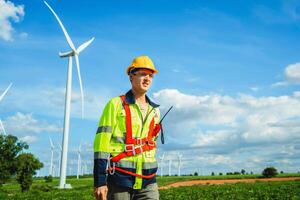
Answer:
(129, 98)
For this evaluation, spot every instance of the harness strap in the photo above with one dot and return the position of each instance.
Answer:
(144, 144)
(130, 173)
(128, 121)
(131, 151)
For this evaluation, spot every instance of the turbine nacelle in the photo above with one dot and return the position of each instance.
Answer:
(77, 51)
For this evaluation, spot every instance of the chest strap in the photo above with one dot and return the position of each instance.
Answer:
(134, 146)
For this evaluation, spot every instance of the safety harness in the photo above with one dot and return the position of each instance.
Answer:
(134, 146)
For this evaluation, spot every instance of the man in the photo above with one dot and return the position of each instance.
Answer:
(125, 142)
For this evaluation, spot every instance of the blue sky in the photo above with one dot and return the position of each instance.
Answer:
(231, 69)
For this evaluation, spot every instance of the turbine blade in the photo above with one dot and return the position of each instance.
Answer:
(51, 143)
(4, 93)
(84, 45)
(66, 54)
(2, 127)
(71, 44)
(80, 84)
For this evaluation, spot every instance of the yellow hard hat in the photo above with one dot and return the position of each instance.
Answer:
(142, 62)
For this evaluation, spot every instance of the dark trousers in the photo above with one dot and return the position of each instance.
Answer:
(120, 193)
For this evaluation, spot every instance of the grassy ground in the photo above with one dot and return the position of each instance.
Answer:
(172, 179)
(289, 190)
(82, 188)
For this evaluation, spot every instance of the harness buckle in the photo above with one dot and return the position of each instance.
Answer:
(139, 141)
(150, 143)
(109, 169)
(139, 147)
(112, 169)
(130, 148)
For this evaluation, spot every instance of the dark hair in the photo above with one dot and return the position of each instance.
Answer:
(137, 69)
(134, 70)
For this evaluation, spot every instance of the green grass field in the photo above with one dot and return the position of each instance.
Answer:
(82, 189)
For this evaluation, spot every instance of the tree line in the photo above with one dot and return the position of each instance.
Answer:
(15, 163)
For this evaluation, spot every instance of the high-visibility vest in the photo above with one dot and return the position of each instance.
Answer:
(128, 139)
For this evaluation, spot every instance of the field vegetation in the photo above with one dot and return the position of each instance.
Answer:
(82, 189)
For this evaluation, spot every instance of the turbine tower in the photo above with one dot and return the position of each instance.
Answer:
(59, 157)
(161, 164)
(51, 168)
(179, 163)
(1, 97)
(73, 53)
(78, 161)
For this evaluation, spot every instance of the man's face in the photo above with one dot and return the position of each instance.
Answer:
(141, 80)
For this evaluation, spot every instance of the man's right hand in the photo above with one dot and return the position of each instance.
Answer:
(101, 192)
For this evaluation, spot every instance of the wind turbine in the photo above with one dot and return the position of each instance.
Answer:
(51, 169)
(59, 157)
(170, 164)
(73, 53)
(1, 97)
(161, 164)
(2, 127)
(78, 161)
(179, 163)
(70, 167)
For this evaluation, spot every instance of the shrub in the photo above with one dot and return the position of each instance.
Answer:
(48, 179)
(43, 188)
(269, 172)
(27, 164)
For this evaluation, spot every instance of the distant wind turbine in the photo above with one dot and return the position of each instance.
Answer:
(1, 97)
(179, 163)
(2, 127)
(161, 164)
(73, 53)
(170, 164)
(70, 168)
(59, 157)
(51, 168)
(78, 161)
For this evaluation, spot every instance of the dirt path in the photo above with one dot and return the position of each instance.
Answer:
(217, 182)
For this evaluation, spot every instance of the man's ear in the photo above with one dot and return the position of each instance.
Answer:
(130, 77)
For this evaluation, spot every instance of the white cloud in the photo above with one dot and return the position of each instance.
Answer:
(22, 124)
(23, 35)
(193, 79)
(292, 73)
(215, 120)
(29, 139)
(9, 12)
(213, 138)
(176, 70)
(50, 101)
(209, 109)
(254, 89)
(280, 84)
